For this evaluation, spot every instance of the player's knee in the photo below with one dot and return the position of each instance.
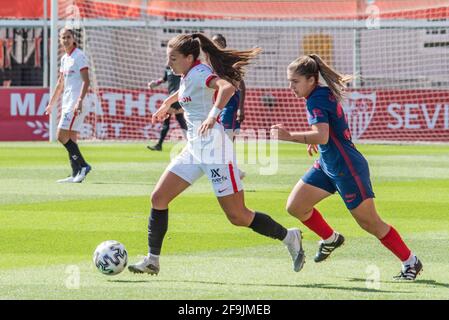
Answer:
(296, 211)
(238, 221)
(239, 218)
(158, 199)
(369, 226)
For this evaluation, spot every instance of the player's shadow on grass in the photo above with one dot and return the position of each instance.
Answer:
(426, 282)
(308, 286)
(127, 183)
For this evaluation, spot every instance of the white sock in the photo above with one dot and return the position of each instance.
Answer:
(153, 258)
(332, 238)
(410, 261)
(289, 237)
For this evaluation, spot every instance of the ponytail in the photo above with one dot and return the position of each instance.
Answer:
(312, 66)
(228, 64)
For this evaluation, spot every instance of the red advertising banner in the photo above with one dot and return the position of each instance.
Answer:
(386, 115)
(22, 114)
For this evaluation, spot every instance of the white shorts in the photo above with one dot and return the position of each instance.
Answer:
(71, 121)
(225, 178)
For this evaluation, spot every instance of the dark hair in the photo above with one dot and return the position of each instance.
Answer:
(220, 39)
(72, 32)
(227, 64)
(312, 66)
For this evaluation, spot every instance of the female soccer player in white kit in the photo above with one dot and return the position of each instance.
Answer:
(207, 140)
(73, 82)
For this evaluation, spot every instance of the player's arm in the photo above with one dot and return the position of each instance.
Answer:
(319, 134)
(84, 87)
(56, 94)
(240, 111)
(225, 91)
(162, 113)
(155, 83)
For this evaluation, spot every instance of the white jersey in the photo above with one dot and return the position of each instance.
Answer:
(196, 98)
(71, 66)
(213, 154)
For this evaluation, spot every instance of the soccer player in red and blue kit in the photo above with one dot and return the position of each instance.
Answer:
(341, 167)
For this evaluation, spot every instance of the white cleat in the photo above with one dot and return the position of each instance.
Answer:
(145, 266)
(66, 180)
(82, 174)
(296, 250)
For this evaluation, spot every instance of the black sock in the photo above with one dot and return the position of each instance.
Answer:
(74, 165)
(266, 226)
(164, 131)
(157, 227)
(75, 153)
(181, 121)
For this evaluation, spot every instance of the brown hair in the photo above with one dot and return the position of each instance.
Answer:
(312, 66)
(227, 64)
(72, 32)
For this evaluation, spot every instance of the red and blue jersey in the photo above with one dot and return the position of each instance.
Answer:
(338, 157)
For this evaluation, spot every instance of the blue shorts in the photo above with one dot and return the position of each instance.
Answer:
(228, 116)
(352, 189)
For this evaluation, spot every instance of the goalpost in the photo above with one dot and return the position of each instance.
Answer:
(400, 55)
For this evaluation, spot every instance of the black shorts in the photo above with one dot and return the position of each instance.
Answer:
(176, 106)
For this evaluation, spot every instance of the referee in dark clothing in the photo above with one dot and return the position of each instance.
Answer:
(173, 85)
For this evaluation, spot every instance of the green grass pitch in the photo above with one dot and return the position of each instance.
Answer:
(49, 231)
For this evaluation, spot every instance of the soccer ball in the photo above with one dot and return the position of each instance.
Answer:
(110, 257)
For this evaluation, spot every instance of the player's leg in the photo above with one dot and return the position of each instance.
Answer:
(367, 217)
(177, 177)
(230, 195)
(83, 167)
(63, 137)
(310, 190)
(68, 127)
(75, 167)
(239, 215)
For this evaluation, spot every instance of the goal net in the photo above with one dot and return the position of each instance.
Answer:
(398, 49)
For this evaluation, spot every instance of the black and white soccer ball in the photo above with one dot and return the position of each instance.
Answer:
(110, 257)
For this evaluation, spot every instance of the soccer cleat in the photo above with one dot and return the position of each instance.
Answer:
(296, 250)
(326, 249)
(66, 180)
(144, 266)
(82, 174)
(156, 147)
(409, 273)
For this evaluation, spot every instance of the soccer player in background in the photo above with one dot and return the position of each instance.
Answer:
(73, 82)
(173, 86)
(199, 84)
(341, 167)
(233, 114)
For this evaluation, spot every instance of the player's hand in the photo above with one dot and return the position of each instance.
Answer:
(161, 114)
(240, 116)
(79, 107)
(279, 131)
(48, 109)
(206, 125)
(312, 148)
(152, 84)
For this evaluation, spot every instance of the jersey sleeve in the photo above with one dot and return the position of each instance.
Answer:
(205, 76)
(316, 111)
(82, 62)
